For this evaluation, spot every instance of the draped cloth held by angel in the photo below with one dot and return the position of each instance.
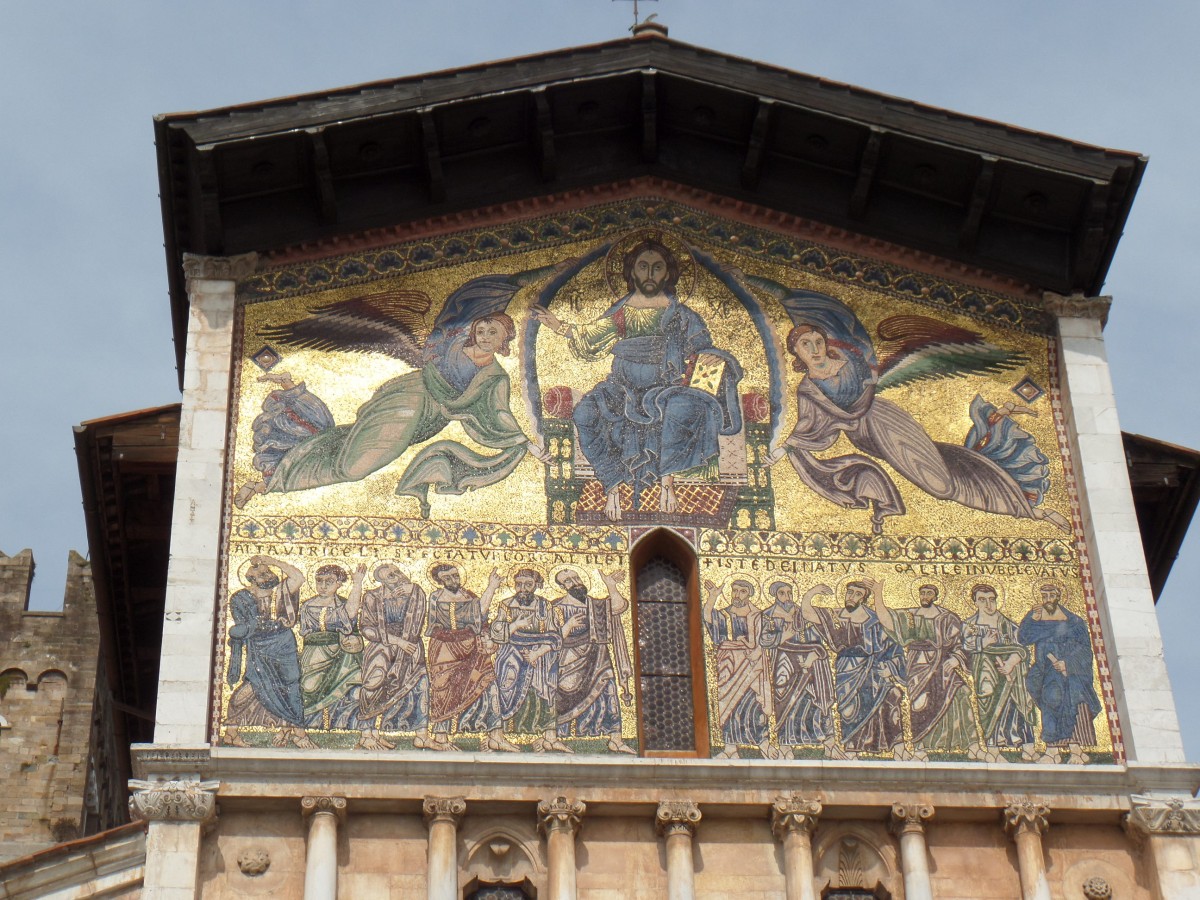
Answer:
(456, 377)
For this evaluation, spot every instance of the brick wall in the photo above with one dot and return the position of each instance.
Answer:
(48, 663)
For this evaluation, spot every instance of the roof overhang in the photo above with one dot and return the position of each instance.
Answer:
(1040, 209)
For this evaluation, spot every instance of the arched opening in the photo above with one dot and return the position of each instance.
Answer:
(669, 649)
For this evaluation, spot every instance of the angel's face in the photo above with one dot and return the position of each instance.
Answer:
(811, 349)
(489, 336)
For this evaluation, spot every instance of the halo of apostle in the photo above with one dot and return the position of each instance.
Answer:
(539, 661)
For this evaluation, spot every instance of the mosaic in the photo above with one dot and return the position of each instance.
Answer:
(444, 453)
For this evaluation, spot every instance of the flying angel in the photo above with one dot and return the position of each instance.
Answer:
(998, 468)
(456, 378)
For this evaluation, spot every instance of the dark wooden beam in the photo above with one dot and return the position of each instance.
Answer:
(432, 157)
(1090, 235)
(544, 135)
(981, 198)
(649, 118)
(322, 175)
(211, 233)
(756, 146)
(867, 164)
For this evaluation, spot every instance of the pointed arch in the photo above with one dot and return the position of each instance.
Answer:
(668, 647)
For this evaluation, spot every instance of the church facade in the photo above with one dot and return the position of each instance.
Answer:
(691, 481)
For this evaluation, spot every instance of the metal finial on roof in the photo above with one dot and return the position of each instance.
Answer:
(649, 26)
(638, 26)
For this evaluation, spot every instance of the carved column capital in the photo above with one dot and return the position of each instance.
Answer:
(1158, 815)
(560, 814)
(1077, 306)
(173, 801)
(444, 809)
(910, 818)
(335, 806)
(1026, 816)
(218, 268)
(791, 814)
(676, 817)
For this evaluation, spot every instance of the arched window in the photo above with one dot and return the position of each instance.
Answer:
(672, 705)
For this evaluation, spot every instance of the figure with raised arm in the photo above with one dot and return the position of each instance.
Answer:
(743, 692)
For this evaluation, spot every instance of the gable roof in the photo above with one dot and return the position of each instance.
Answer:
(1041, 209)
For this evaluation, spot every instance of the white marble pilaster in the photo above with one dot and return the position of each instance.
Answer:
(1144, 700)
(1026, 821)
(676, 823)
(908, 822)
(176, 813)
(320, 863)
(442, 815)
(1167, 830)
(183, 685)
(559, 820)
(793, 820)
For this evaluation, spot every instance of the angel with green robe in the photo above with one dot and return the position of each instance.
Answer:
(297, 444)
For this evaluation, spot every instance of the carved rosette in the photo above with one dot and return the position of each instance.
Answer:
(794, 814)
(1077, 306)
(444, 809)
(173, 801)
(218, 268)
(1097, 889)
(334, 806)
(676, 817)
(560, 814)
(1152, 815)
(1026, 816)
(910, 818)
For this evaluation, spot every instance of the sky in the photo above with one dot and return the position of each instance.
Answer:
(86, 330)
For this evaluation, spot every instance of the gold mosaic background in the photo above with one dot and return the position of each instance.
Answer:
(796, 535)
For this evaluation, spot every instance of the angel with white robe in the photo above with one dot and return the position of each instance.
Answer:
(297, 444)
(998, 469)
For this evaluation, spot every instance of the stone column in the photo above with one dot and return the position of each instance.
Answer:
(320, 865)
(1167, 830)
(793, 820)
(908, 821)
(189, 617)
(1026, 822)
(676, 823)
(559, 820)
(442, 815)
(1143, 692)
(176, 813)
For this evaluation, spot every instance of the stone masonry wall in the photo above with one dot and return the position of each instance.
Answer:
(48, 666)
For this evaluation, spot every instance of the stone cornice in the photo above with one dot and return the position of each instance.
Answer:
(1173, 815)
(677, 817)
(444, 809)
(1077, 306)
(1026, 815)
(217, 268)
(560, 814)
(171, 762)
(173, 801)
(909, 818)
(794, 813)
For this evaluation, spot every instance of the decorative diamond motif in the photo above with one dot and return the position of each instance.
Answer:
(266, 358)
(1027, 389)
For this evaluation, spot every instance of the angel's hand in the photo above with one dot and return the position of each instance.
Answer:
(776, 455)
(283, 379)
(1014, 409)
(540, 453)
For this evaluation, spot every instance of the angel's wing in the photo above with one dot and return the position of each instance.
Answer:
(390, 322)
(924, 349)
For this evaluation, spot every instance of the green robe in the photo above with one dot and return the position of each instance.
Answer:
(408, 410)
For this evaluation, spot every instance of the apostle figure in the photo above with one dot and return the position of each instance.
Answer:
(999, 664)
(331, 662)
(527, 662)
(1060, 677)
(742, 688)
(935, 662)
(395, 683)
(462, 677)
(797, 667)
(868, 668)
(670, 393)
(264, 614)
(593, 640)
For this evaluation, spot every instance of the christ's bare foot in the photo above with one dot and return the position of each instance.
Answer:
(666, 499)
(612, 508)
